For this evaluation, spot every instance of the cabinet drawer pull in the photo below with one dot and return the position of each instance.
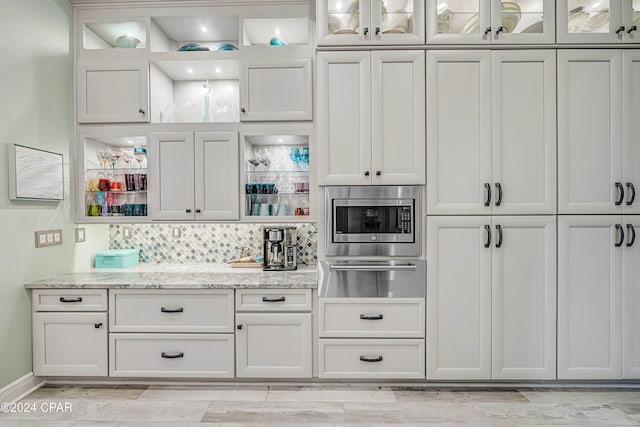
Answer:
(487, 228)
(141, 111)
(187, 210)
(371, 317)
(500, 30)
(243, 110)
(371, 359)
(279, 299)
(620, 30)
(499, 191)
(172, 356)
(620, 235)
(632, 235)
(620, 193)
(97, 325)
(487, 187)
(632, 29)
(487, 30)
(499, 242)
(366, 173)
(632, 193)
(63, 299)
(365, 31)
(378, 173)
(172, 310)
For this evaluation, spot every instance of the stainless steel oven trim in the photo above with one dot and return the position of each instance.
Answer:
(385, 244)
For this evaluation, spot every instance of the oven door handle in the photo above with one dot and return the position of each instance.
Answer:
(404, 267)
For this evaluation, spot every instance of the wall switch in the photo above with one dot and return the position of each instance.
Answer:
(48, 238)
(176, 232)
(126, 232)
(80, 235)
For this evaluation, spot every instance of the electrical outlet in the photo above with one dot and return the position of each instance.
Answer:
(80, 235)
(48, 238)
(176, 232)
(126, 232)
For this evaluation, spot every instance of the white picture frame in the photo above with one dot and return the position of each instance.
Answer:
(35, 174)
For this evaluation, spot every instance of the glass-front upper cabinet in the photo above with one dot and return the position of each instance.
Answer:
(490, 21)
(112, 176)
(370, 22)
(598, 21)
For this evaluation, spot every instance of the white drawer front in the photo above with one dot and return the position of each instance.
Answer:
(171, 355)
(387, 359)
(69, 300)
(171, 311)
(273, 300)
(372, 317)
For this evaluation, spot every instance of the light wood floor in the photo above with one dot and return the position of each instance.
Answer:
(323, 405)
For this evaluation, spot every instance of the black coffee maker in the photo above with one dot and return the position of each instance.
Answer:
(279, 246)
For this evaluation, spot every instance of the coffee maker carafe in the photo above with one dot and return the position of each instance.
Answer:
(279, 245)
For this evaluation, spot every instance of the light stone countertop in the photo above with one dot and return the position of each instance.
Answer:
(183, 276)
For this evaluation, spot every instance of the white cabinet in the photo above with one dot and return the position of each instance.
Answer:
(631, 299)
(490, 21)
(468, 174)
(273, 345)
(365, 22)
(194, 176)
(589, 297)
(113, 92)
(606, 21)
(491, 298)
(276, 90)
(631, 128)
(371, 118)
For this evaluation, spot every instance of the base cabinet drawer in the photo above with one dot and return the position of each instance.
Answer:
(171, 311)
(372, 358)
(372, 317)
(70, 344)
(171, 355)
(273, 300)
(69, 300)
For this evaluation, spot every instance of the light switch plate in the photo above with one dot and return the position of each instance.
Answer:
(126, 232)
(80, 235)
(176, 232)
(46, 238)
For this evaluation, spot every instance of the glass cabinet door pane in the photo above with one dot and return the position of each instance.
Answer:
(458, 16)
(522, 16)
(635, 17)
(588, 16)
(343, 17)
(397, 16)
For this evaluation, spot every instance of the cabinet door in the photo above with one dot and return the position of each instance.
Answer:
(396, 22)
(70, 344)
(631, 20)
(589, 131)
(631, 299)
(524, 298)
(523, 21)
(171, 176)
(631, 129)
(524, 131)
(273, 345)
(459, 22)
(344, 118)
(458, 132)
(459, 298)
(113, 92)
(586, 21)
(217, 192)
(344, 22)
(398, 96)
(276, 90)
(589, 297)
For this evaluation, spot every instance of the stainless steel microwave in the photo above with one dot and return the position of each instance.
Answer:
(373, 221)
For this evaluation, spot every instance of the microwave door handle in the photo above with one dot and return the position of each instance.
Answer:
(408, 267)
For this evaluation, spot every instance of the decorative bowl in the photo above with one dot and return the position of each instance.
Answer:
(127, 42)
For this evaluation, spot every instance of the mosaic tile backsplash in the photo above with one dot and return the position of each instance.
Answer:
(204, 243)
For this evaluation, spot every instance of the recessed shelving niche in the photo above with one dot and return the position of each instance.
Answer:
(215, 33)
(114, 35)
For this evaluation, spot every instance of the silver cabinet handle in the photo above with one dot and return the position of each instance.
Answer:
(403, 267)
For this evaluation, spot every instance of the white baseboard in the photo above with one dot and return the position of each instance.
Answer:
(21, 387)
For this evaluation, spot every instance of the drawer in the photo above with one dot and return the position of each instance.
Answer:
(372, 317)
(273, 300)
(171, 355)
(371, 358)
(69, 300)
(171, 311)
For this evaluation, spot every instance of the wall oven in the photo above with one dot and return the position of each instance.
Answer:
(373, 221)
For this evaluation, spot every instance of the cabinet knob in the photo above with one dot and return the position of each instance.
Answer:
(487, 30)
(97, 325)
(620, 30)
(187, 210)
(378, 173)
(141, 111)
(198, 211)
(366, 173)
(632, 29)
(243, 110)
(239, 327)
